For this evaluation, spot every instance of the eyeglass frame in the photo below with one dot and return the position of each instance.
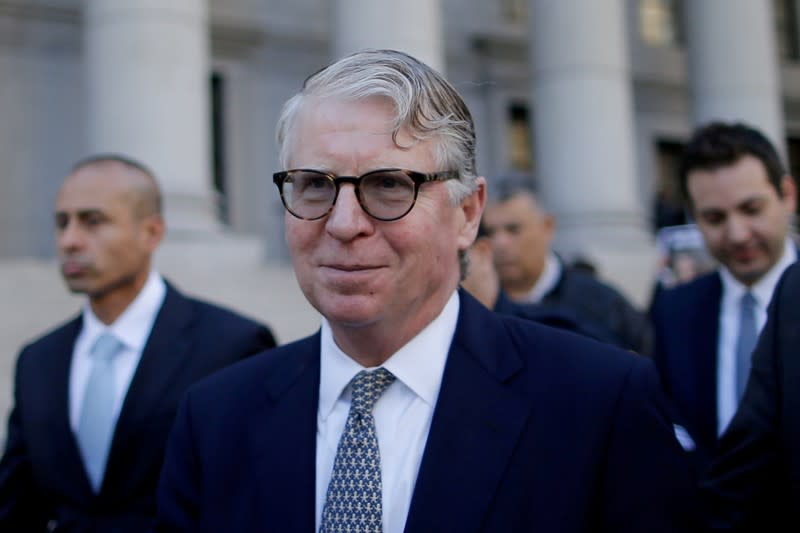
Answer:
(419, 178)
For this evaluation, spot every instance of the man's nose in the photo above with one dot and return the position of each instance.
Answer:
(738, 229)
(69, 237)
(348, 219)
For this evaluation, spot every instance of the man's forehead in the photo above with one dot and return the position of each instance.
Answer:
(722, 192)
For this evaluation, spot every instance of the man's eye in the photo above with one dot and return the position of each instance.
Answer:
(389, 182)
(714, 220)
(752, 209)
(316, 183)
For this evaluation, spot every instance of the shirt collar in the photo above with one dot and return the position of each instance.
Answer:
(133, 326)
(761, 290)
(419, 364)
(548, 279)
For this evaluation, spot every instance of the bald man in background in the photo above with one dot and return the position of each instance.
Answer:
(95, 398)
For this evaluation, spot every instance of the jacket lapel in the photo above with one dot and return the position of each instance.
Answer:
(163, 356)
(706, 326)
(57, 386)
(476, 424)
(283, 440)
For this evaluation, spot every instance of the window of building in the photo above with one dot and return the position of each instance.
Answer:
(218, 145)
(516, 11)
(668, 204)
(520, 143)
(660, 22)
(786, 29)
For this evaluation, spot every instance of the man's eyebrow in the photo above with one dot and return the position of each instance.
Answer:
(751, 200)
(81, 213)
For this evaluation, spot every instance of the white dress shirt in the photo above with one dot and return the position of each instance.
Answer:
(732, 292)
(402, 414)
(547, 281)
(132, 328)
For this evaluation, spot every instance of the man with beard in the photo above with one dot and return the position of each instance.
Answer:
(742, 201)
(95, 398)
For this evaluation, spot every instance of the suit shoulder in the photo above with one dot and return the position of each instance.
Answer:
(791, 277)
(253, 372)
(596, 297)
(579, 282)
(56, 336)
(227, 319)
(218, 311)
(688, 296)
(568, 353)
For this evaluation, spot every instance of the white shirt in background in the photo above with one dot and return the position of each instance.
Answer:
(732, 292)
(132, 328)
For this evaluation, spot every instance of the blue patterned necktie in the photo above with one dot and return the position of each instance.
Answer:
(746, 341)
(354, 501)
(97, 412)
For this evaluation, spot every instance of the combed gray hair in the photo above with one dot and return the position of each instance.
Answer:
(425, 104)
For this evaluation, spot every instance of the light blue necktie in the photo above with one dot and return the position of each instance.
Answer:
(95, 425)
(354, 501)
(746, 342)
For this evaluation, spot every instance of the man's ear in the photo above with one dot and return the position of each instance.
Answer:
(154, 229)
(789, 193)
(472, 208)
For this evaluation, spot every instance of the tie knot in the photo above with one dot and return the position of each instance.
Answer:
(105, 347)
(748, 300)
(368, 387)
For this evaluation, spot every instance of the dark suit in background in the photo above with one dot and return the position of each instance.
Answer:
(754, 480)
(533, 430)
(108, 222)
(553, 315)
(43, 484)
(686, 320)
(742, 200)
(596, 303)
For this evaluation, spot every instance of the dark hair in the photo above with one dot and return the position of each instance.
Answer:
(720, 144)
(507, 186)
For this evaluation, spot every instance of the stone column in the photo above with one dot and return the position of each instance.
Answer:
(585, 152)
(733, 65)
(147, 66)
(411, 26)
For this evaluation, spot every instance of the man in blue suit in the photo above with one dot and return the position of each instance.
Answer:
(742, 201)
(754, 480)
(87, 433)
(414, 408)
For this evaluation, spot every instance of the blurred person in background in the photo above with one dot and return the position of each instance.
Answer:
(94, 399)
(742, 201)
(754, 480)
(522, 232)
(483, 282)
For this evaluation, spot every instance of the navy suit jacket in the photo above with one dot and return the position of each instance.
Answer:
(754, 481)
(43, 484)
(686, 321)
(535, 429)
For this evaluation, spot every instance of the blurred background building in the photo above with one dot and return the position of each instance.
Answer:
(592, 97)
